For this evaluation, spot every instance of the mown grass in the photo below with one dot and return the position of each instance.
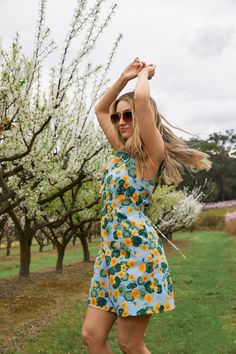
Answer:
(10, 265)
(203, 321)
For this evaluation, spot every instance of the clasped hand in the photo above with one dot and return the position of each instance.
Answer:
(136, 67)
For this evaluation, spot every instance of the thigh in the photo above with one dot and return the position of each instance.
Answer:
(132, 327)
(98, 323)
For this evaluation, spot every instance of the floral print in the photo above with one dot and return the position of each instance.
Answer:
(131, 275)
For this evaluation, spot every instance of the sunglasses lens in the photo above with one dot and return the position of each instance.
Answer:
(127, 116)
(115, 118)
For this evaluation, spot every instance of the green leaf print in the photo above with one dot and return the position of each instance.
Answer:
(128, 296)
(115, 253)
(126, 202)
(132, 286)
(117, 268)
(148, 288)
(137, 241)
(125, 277)
(122, 289)
(149, 267)
(142, 312)
(120, 190)
(121, 217)
(108, 260)
(130, 191)
(140, 280)
(131, 171)
(117, 282)
(101, 301)
(102, 273)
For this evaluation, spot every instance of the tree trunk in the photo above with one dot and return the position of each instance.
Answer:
(60, 257)
(25, 256)
(41, 245)
(84, 243)
(9, 242)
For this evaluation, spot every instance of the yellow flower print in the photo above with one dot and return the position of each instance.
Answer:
(103, 283)
(114, 261)
(123, 267)
(122, 168)
(142, 268)
(112, 181)
(108, 252)
(156, 307)
(123, 254)
(116, 160)
(133, 223)
(102, 221)
(106, 308)
(149, 258)
(124, 224)
(115, 245)
(125, 314)
(141, 224)
(101, 293)
(121, 198)
(132, 277)
(126, 185)
(104, 233)
(160, 270)
(130, 209)
(109, 208)
(144, 247)
(93, 301)
(131, 263)
(102, 257)
(124, 305)
(112, 279)
(121, 274)
(134, 232)
(116, 293)
(149, 298)
(149, 311)
(167, 306)
(135, 293)
(113, 204)
(119, 233)
(125, 178)
(155, 252)
(135, 197)
(145, 278)
(128, 241)
(143, 193)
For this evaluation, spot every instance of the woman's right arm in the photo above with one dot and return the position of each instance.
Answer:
(104, 103)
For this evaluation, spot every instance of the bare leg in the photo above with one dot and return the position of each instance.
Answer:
(131, 332)
(95, 330)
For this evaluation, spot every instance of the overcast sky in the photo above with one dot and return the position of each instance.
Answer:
(193, 44)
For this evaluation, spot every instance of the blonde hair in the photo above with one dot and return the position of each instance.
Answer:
(177, 154)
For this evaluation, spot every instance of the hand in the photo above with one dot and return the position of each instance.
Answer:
(132, 70)
(149, 70)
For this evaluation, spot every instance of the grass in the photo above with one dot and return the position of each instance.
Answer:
(203, 321)
(39, 260)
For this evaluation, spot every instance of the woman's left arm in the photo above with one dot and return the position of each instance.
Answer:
(144, 114)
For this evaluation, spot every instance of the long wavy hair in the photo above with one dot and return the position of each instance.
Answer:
(177, 154)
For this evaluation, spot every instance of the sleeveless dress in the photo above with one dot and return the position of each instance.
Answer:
(131, 275)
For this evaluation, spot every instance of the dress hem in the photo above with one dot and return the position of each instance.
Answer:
(153, 312)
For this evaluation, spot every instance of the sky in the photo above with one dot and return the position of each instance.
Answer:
(192, 43)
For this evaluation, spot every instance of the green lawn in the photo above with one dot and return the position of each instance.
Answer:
(47, 258)
(203, 321)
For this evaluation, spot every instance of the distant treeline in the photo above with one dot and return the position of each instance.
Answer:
(221, 178)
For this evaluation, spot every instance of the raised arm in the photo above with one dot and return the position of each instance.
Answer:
(103, 104)
(145, 115)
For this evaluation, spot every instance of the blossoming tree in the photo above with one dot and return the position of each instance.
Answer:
(48, 142)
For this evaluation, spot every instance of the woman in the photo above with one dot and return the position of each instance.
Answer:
(131, 278)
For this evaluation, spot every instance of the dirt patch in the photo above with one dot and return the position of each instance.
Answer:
(27, 305)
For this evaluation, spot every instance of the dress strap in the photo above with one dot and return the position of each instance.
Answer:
(172, 244)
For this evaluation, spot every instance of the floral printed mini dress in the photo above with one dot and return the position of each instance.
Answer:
(131, 275)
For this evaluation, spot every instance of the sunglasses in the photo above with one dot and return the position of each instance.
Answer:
(127, 116)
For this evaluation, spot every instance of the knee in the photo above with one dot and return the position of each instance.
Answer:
(90, 336)
(129, 345)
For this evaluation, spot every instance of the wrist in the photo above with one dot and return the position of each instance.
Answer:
(143, 73)
(123, 79)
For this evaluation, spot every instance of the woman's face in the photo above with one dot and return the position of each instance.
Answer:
(125, 127)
